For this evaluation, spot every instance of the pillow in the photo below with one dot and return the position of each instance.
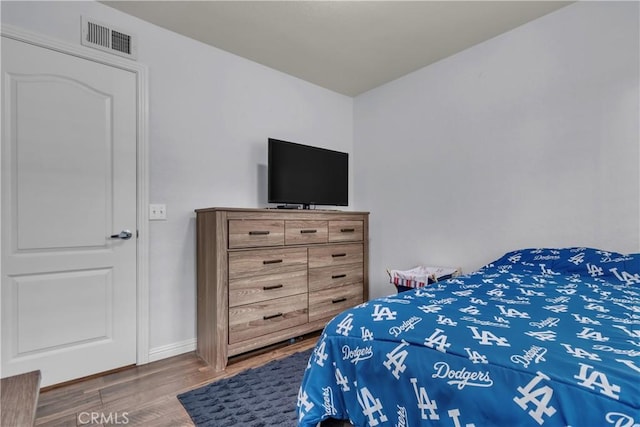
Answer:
(529, 259)
(612, 267)
(632, 265)
(632, 269)
(598, 264)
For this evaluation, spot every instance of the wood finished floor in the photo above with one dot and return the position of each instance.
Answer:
(145, 395)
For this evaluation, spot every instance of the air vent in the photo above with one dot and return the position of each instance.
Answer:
(100, 36)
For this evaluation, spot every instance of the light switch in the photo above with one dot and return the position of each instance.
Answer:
(157, 212)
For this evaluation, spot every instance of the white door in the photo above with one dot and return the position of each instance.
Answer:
(68, 184)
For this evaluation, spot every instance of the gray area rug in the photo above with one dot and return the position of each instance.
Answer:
(260, 397)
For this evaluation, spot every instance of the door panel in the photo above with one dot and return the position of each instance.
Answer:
(86, 152)
(68, 184)
(77, 310)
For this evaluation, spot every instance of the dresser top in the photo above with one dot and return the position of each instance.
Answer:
(276, 210)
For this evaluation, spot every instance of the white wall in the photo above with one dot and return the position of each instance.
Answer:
(529, 139)
(210, 114)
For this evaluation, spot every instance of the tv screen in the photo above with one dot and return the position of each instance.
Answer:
(301, 174)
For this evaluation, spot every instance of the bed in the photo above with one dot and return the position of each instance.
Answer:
(539, 337)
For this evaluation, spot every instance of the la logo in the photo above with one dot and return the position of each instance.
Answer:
(598, 379)
(345, 326)
(342, 380)
(303, 403)
(580, 353)
(381, 313)
(371, 406)
(538, 397)
(512, 312)
(585, 320)
(626, 277)
(437, 340)
(591, 334)
(396, 359)
(486, 338)
(476, 357)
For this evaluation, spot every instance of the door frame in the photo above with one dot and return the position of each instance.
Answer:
(142, 173)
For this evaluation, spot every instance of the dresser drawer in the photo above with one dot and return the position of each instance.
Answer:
(266, 261)
(334, 276)
(255, 320)
(263, 288)
(346, 231)
(252, 233)
(329, 302)
(325, 256)
(305, 232)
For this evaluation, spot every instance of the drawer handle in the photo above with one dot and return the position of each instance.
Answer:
(258, 233)
(338, 276)
(308, 231)
(339, 255)
(273, 316)
(337, 300)
(272, 261)
(268, 288)
(347, 230)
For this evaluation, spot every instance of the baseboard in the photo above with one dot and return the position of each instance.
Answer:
(170, 350)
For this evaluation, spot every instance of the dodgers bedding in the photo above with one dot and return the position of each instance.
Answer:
(540, 337)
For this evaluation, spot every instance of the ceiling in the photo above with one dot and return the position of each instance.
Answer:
(345, 46)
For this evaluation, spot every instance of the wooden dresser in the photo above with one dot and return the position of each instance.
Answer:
(268, 275)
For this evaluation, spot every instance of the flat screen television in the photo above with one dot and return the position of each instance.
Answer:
(305, 175)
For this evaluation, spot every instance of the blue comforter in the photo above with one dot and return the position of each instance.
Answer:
(540, 337)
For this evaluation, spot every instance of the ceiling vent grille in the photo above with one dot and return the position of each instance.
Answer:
(100, 36)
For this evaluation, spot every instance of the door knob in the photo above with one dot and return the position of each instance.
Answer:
(124, 235)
